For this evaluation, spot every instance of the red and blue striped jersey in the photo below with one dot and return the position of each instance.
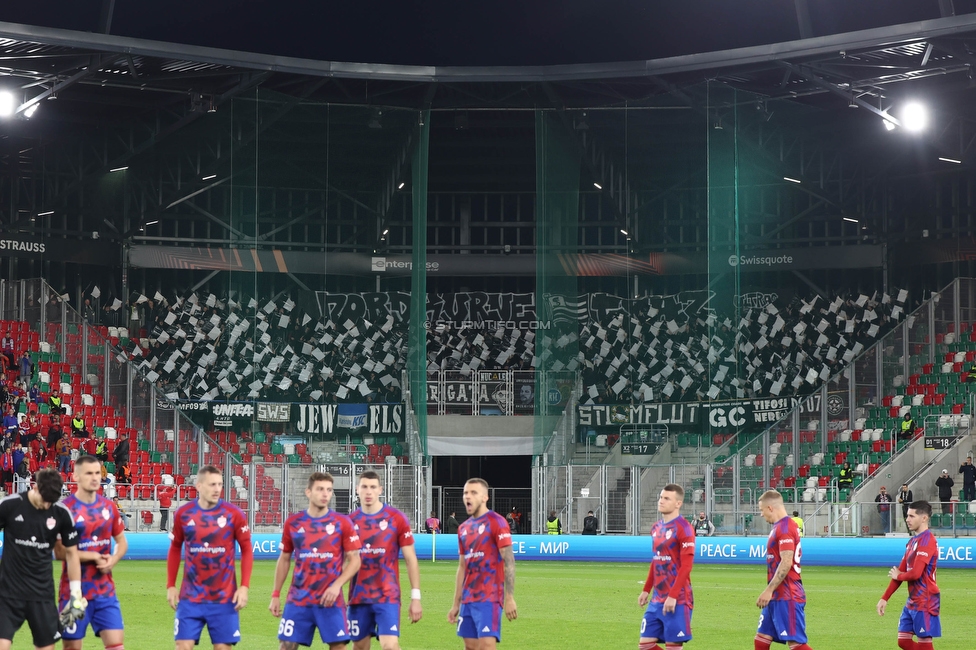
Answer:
(674, 547)
(97, 523)
(208, 538)
(923, 594)
(382, 535)
(480, 541)
(785, 536)
(319, 545)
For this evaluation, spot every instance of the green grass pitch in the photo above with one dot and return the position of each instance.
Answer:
(587, 605)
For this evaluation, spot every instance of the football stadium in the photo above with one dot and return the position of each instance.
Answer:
(689, 291)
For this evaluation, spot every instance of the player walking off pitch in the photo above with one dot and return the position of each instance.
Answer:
(667, 591)
(205, 532)
(98, 522)
(32, 523)
(783, 601)
(920, 617)
(326, 549)
(374, 592)
(485, 584)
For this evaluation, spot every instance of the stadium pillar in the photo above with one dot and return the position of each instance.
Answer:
(557, 173)
(417, 346)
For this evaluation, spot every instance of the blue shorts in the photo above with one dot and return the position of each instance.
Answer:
(298, 624)
(673, 627)
(102, 613)
(477, 620)
(784, 620)
(919, 623)
(221, 619)
(374, 619)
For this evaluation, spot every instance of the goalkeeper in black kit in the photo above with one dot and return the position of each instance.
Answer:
(32, 522)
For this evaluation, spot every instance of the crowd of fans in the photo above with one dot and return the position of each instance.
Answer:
(31, 440)
(202, 346)
(771, 351)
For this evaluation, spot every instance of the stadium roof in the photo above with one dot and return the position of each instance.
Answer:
(871, 64)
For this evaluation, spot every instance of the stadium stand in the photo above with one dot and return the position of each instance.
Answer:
(205, 347)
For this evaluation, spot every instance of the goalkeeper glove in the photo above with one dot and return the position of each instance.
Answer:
(74, 609)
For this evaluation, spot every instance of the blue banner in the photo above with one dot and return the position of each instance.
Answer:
(817, 551)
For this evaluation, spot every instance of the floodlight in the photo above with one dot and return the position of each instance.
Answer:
(7, 103)
(950, 160)
(400, 186)
(888, 124)
(792, 180)
(914, 116)
(851, 220)
(597, 186)
(30, 110)
(624, 232)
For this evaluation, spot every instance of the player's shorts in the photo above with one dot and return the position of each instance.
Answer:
(374, 619)
(298, 623)
(784, 620)
(41, 615)
(102, 613)
(477, 620)
(673, 627)
(921, 624)
(222, 621)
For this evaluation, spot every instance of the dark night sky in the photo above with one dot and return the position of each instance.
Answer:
(499, 32)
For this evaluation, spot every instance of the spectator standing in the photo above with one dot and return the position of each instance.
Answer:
(53, 434)
(7, 345)
(7, 467)
(884, 509)
(590, 524)
(26, 367)
(63, 449)
(165, 495)
(121, 454)
(553, 526)
(451, 526)
(517, 517)
(905, 498)
(19, 469)
(968, 471)
(798, 520)
(703, 526)
(945, 483)
(24, 472)
(907, 427)
(433, 523)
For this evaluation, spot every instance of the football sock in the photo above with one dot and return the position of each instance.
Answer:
(761, 643)
(673, 646)
(905, 641)
(648, 645)
(924, 644)
(802, 646)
